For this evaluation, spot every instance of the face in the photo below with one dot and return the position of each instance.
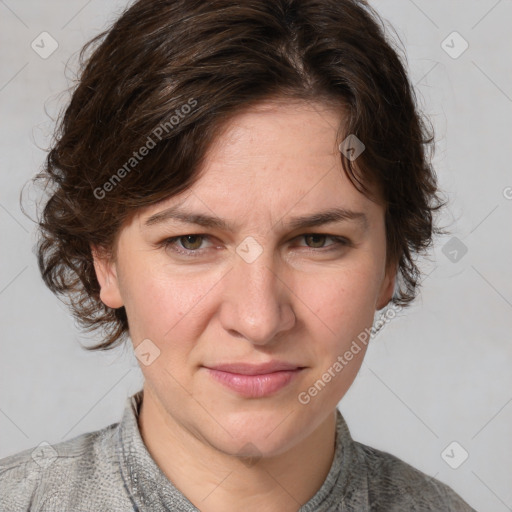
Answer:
(254, 276)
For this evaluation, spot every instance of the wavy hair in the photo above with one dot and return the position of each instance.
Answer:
(168, 74)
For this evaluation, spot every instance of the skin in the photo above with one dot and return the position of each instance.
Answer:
(303, 300)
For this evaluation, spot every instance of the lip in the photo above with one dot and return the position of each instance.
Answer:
(255, 381)
(254, 369)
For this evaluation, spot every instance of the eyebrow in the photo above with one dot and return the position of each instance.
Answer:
(328, 216)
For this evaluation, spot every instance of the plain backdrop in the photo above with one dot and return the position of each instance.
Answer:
(438, 373)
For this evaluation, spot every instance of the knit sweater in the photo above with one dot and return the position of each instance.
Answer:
(111, 470)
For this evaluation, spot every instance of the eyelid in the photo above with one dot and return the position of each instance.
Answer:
(336, 238)
(339, 241)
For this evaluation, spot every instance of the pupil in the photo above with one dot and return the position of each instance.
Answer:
(321, 237)
(192, 237)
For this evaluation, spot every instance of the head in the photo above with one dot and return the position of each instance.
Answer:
(285, 137)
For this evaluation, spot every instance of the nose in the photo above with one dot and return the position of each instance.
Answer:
(256, 301)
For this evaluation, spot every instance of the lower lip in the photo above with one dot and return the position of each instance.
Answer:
(255, 386)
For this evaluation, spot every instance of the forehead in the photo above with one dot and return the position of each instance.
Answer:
(271, 160)
(275, 131)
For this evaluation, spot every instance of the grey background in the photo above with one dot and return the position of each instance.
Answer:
(440, 372)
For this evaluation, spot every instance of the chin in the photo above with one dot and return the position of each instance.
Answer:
(257, 434)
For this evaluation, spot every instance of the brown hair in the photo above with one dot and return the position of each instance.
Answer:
(169, 74)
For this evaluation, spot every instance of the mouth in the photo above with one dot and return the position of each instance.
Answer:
(255, 381)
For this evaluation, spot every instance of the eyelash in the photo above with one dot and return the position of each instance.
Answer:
(171, 243)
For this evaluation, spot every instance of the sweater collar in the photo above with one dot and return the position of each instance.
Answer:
(151, 491)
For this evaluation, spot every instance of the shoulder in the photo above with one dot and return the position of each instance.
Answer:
(394, 485)
(60, 476)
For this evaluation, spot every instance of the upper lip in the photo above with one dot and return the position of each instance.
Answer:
(255, 369)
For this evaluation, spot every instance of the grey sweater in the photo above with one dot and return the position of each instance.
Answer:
(111, 470)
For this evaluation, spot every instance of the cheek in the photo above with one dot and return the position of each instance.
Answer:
(344, 309)
(344, 302)
(164, 303)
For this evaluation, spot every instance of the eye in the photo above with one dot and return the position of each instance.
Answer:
(318, 239)
(188, 244)
(191, 242)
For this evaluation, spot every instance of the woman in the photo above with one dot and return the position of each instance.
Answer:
(237, 189)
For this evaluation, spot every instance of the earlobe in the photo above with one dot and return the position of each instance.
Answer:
(387, 288)
(106, 274)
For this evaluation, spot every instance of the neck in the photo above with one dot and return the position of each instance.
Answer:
(215, 481)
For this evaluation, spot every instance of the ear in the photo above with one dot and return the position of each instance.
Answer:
(106, 273)
(387, 287)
